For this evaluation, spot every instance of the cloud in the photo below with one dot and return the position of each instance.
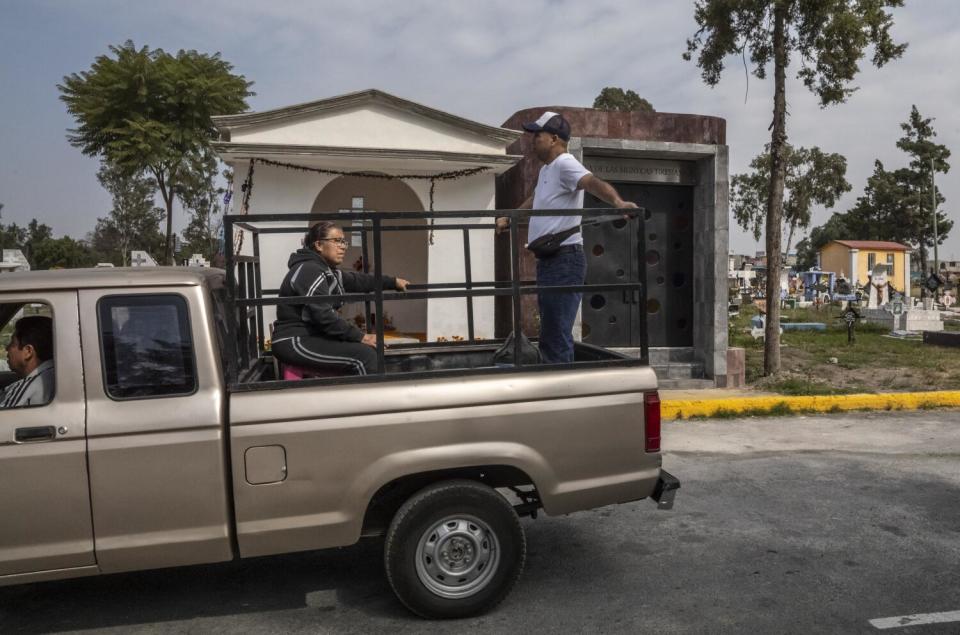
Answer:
(482, 60)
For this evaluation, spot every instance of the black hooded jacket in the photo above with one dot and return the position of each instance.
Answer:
(310, 274)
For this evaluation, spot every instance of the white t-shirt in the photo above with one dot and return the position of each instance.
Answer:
(557, 189)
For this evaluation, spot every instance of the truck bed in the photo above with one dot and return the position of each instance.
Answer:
(412, 361)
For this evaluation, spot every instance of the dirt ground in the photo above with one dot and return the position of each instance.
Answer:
(825, 363)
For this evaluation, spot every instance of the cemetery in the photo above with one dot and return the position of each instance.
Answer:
(855, 325)
(821, 360)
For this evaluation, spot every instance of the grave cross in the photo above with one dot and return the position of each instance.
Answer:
(850, 316)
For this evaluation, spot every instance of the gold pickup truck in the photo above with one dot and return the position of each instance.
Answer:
(146, 456)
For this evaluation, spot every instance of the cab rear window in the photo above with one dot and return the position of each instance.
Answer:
(146, 346)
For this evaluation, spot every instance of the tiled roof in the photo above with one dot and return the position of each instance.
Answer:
(879, 245)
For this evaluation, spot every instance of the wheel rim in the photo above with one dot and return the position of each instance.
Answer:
(457, 556)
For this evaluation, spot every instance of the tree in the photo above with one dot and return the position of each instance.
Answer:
(807, 249)
(201, 200)
(812, 177)
(42, 250)
(144, 110)
(133, 221)
(926, 159)
(36, 233)
(830, 38)
(896, 205)
(13, 236)
(612, 98)
(61, 253)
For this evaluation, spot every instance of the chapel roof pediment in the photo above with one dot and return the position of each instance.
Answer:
(368, 118)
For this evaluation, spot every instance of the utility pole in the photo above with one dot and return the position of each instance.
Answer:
(933, 195)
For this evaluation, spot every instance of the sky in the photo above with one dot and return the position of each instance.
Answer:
(483, 60)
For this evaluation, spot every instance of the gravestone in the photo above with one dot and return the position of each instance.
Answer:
(14, 260)
(141, 259)
(878, 293)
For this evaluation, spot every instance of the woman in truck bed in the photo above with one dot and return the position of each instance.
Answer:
(315, 335)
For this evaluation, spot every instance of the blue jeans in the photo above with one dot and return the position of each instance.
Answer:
(558, 311)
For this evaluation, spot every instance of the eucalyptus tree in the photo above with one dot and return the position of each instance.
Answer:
(133, 221)
(828, 38)
(812, 177)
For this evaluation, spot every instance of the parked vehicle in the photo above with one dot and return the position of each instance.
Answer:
(152, 454)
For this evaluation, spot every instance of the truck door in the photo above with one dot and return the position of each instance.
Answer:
(44, 494)
(155, 433)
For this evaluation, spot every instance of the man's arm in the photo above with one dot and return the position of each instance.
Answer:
(504, 222)
(604, 191)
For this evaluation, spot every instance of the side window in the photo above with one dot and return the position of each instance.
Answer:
(146, 346)
(27, 373)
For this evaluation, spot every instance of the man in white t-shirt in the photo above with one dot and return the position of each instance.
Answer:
(560, 185)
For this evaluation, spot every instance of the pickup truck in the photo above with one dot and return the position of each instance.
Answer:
(148, 457)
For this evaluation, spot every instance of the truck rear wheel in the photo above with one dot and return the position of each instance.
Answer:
(454, 549)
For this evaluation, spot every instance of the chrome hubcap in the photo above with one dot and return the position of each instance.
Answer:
(457, 557)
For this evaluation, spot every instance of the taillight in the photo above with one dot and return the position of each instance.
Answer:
(651, 416)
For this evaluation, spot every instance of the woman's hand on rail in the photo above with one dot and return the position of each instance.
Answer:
(502, 224)
(402, 284)
(370, 339)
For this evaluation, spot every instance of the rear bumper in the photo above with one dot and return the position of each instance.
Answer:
(665, 490)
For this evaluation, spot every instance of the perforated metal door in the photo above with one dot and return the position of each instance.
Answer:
(613, 318)
(608, 317)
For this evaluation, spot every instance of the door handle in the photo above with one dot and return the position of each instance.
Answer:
(38, 433)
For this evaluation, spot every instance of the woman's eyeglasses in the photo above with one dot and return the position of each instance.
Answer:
(341, 242)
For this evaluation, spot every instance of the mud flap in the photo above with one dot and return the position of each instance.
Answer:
(666, 490)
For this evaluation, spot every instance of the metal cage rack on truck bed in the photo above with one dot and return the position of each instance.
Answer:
(246, 333)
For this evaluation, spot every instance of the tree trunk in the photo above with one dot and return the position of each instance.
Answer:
(778, 140)
(168, 248)
(923, 269)
(166, 193)
(786, 249)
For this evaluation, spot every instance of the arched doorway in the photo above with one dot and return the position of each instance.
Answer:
(405, 253)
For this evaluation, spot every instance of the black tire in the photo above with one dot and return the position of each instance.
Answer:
(462, 523)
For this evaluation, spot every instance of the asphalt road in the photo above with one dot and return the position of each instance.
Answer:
(792, 525)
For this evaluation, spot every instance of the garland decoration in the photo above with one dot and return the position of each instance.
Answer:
(247, 187)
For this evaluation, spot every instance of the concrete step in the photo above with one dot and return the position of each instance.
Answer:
(671, 355)
(659, 355)
(685, 384)
(679, 370)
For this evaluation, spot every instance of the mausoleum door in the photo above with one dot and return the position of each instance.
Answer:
(613, 254)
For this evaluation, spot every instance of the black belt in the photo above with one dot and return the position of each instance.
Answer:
(564, 249)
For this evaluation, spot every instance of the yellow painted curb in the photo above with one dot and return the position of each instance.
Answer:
(686, 408)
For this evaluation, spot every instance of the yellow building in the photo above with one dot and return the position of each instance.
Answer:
(856, 259)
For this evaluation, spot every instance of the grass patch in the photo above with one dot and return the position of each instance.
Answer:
(799, 387)
(779, 409)
(915, 366)
(782, 409)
